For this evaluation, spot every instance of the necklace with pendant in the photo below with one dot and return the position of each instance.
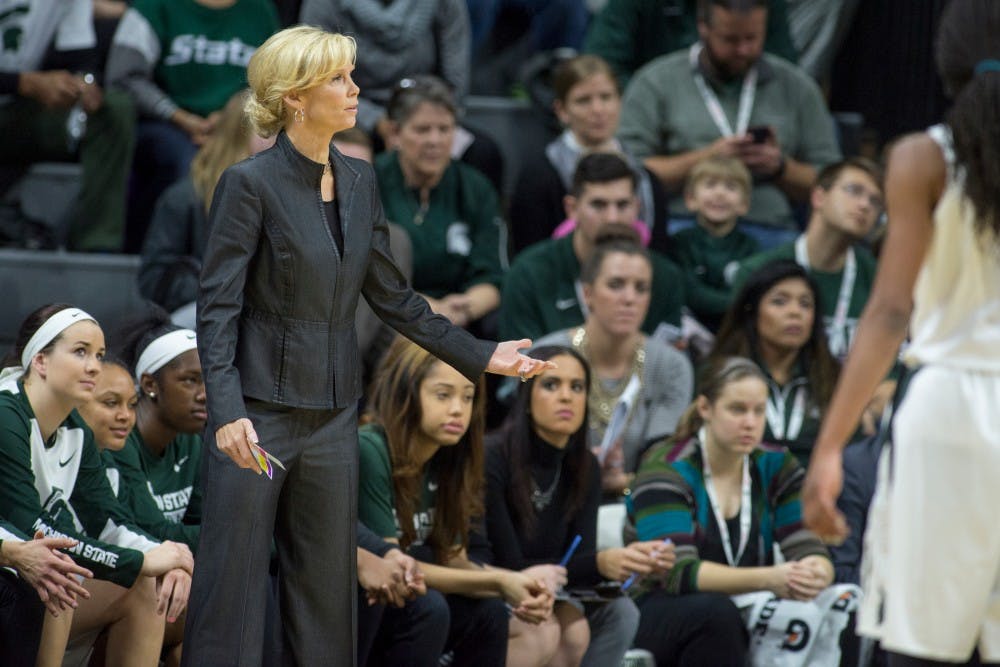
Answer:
(542, 499)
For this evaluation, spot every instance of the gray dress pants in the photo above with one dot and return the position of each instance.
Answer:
(310, 512)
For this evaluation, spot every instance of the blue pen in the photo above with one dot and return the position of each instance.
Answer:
(569, 552)
(635, 575)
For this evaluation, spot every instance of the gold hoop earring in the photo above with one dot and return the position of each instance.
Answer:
(299, 115)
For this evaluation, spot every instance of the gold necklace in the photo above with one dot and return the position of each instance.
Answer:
(602, 400)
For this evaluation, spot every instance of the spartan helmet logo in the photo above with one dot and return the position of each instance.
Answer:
(796, 636)
(10, 29)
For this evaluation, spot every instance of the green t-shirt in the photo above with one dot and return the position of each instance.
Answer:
(829, 285)
(376, 499)
(163, 492)
(704, 260)
(457, 238)
(204, 51)
(540, 294)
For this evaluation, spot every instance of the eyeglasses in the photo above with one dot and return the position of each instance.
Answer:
(857, 190)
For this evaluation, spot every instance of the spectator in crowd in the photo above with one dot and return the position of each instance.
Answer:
(54, 483)
(449, 210)
(173, 247)
(32, 571)
(724, 96)
(630, 33)
(53, 108)
(541, 292)
(543, 488)
(718, 192)
(405, 39)
(588, 104)
(400, 39)
(725, 502)
(639, 385)
(846, 202)
(773, 321)
(180, 62)
(421, 486)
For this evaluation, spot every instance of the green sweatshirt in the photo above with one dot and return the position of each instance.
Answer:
(540, 296)
(459, 239)
(704, 259)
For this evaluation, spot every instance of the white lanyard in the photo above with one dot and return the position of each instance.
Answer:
(745, 509)
(578, 288)
(775, 411)
(836, 335)
(747, 94)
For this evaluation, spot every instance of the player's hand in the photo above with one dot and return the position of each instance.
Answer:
(824, 481)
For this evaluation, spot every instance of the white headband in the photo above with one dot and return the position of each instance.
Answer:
(164, 349)
(52, 327)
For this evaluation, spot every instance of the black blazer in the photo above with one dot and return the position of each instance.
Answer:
(277, 300)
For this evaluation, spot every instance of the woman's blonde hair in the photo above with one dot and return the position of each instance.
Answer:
(228, 144)
(292, 60)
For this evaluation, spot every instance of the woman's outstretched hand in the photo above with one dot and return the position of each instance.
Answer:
(507, 360)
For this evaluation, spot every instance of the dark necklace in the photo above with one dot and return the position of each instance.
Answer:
(542, 499)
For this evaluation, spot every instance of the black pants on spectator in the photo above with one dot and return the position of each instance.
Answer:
(21, 617)
(691, 630)
(413, 636)
(474, 631)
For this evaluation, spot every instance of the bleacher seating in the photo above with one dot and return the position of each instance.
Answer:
(103, 285)
(515, 125)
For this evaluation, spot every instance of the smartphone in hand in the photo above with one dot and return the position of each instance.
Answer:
(761, 134)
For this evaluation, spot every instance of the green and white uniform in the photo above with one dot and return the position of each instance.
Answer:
(163, 493)
(376, 499)
(60, 488)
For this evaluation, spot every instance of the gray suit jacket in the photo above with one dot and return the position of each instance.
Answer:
(277, 301)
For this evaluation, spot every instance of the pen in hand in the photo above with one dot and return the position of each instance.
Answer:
(635, 575)
(569, 552)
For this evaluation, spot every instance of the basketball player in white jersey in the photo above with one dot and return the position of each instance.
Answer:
(933, 542)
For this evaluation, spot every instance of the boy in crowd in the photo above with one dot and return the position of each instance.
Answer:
(718, 192)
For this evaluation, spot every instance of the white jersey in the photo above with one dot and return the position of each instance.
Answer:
(956, 316)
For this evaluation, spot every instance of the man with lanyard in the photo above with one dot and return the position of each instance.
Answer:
(846, 203)
(725, 96)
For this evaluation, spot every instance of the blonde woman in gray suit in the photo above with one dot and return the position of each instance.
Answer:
(297, 235)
